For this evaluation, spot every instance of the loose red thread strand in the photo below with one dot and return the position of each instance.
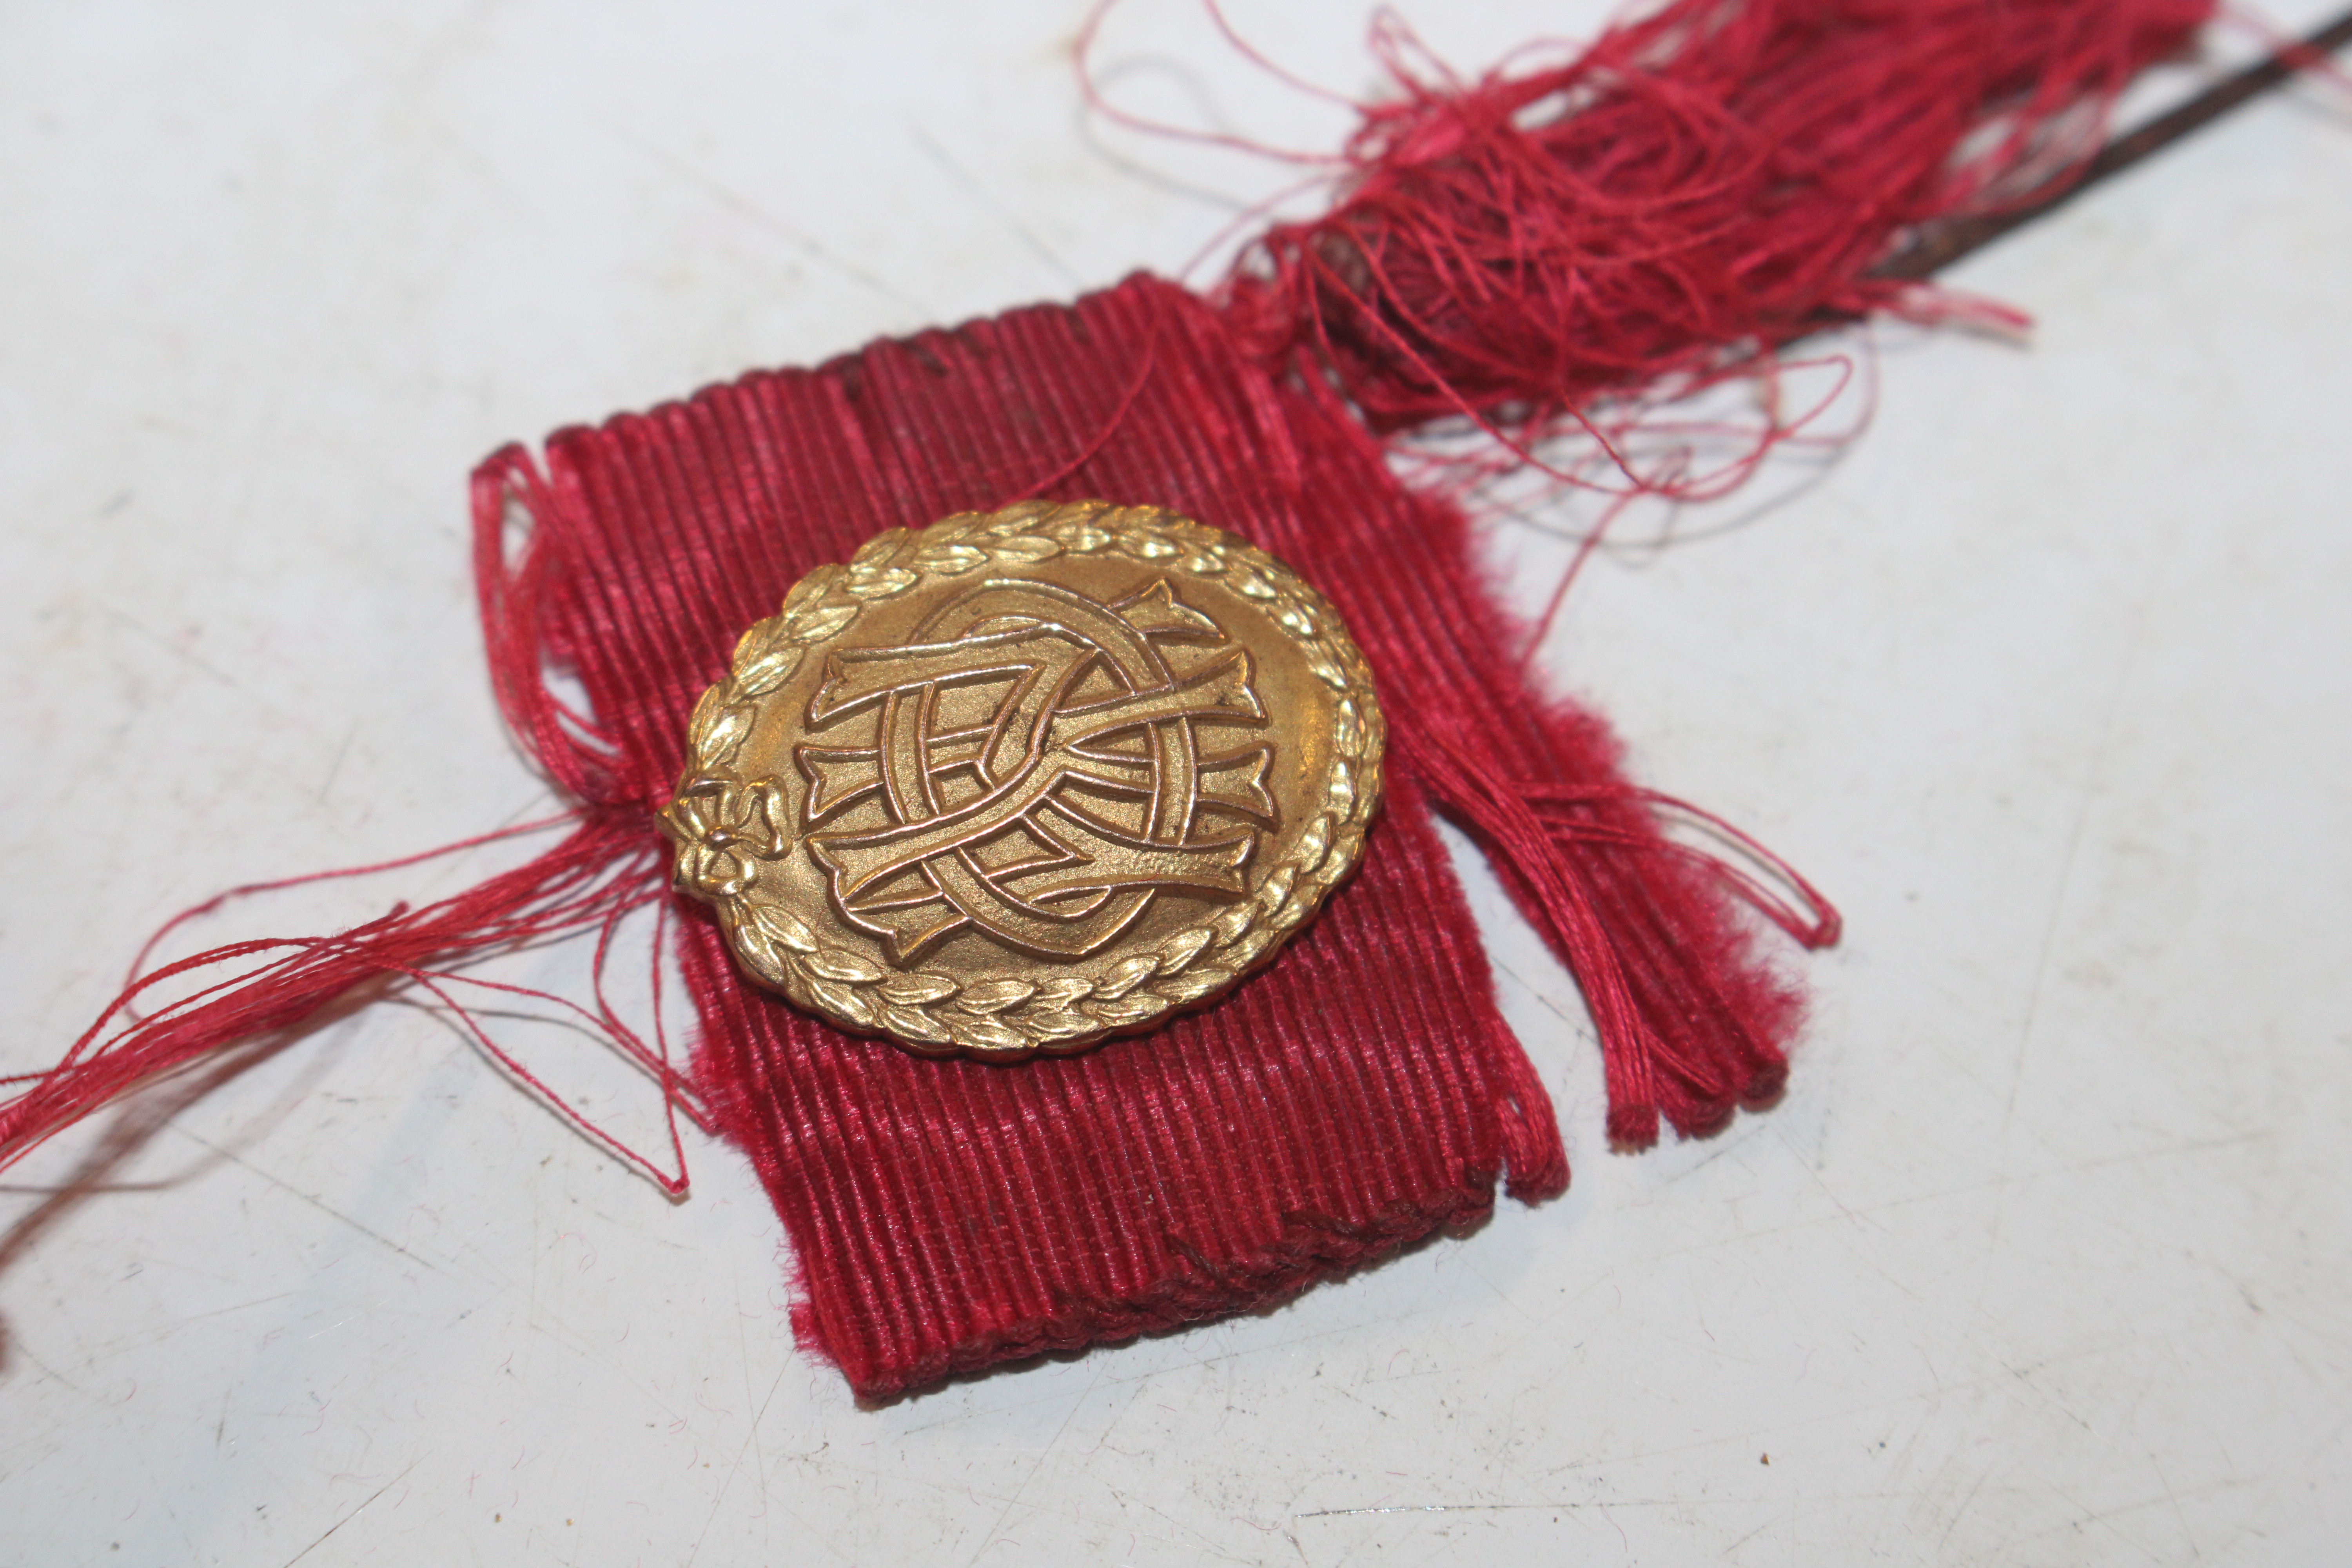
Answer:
(1533, 642)
(1081, 53)
(1146, 363)
(251, 889)
(574, 888)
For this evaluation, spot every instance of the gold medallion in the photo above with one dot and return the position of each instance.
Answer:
(1021, 781)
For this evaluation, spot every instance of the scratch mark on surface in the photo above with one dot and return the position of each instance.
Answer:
(2017, 1179)
(336, 767)
(57, 1377)
(1202, 1540)
(330, 1212)
(2106, 1517)
(142, 630)
(745, 209)
(733, 1471)
(2331, 1439)
(2088, 797)
(1747, 1538)
(1043, 1454)
(1579, 1023)
(1502, 1507)
(983, 199)
(1961, 1512)
(2172, 1497)
(1780, 1132)
(1730, 1146)
(354, 1514)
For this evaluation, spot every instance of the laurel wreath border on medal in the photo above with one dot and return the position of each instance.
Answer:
(719, 819)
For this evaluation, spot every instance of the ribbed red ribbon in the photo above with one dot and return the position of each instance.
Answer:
(1361, 1092)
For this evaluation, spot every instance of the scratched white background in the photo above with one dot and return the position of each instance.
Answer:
(2043, 1260)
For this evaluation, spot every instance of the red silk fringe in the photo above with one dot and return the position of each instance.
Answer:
(1698, 189)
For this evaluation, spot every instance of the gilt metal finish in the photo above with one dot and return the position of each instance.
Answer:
(1021, 781)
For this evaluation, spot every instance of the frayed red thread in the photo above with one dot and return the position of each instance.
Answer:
(1693, 191)
(601, 872)
(606, 867)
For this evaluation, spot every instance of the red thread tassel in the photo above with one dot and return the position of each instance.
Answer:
(1697, 190)
(1693, 191)
(1691, 1020)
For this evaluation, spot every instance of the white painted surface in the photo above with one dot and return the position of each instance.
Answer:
(2042, 1261)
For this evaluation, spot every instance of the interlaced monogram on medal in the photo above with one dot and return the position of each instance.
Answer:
(1030, 765)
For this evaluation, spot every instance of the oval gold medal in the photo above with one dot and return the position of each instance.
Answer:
(1024, 780)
